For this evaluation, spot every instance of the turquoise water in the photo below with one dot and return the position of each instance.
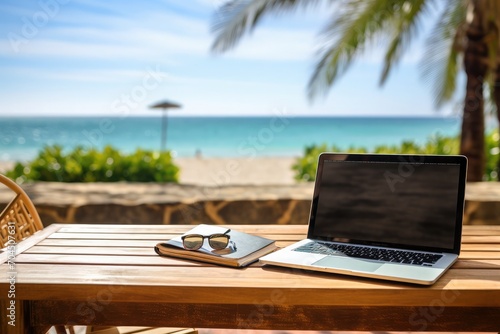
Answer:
(22, 138)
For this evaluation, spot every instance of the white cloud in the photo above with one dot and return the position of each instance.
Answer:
(140, 44)
(85, 43)
(74, 32)
(86, 75)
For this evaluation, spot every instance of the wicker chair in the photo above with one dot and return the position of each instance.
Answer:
(21, 212)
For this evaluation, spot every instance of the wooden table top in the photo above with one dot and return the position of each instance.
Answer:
(110, 274)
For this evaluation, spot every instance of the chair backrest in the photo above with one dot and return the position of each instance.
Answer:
(19, 219)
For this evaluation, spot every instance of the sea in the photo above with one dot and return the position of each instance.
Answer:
(21, 138)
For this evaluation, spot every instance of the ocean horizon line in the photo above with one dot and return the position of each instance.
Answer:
(159, 115)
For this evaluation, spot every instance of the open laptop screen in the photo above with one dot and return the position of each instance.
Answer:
(387, 200)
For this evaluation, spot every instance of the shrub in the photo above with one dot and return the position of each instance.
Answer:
(493, 156)
(305, 166)
(91, 165)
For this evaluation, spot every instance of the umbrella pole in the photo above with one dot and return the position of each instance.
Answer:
(164, 131)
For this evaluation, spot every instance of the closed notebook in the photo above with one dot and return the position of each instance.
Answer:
(242, 250)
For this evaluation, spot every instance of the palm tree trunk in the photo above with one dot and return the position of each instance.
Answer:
(475, 64)
(496, 99)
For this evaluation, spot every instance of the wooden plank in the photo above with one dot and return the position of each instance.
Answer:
(300, 230)
(99, 243)
(461, 264)
(481, 235)
(91, 250)
(83, 259)
(157, 330)
(481, 228)
(119, 229)
(148, 250)
(478, 243)
(21, 322)
(278, 317)
(179, 229)
(152, 242)
(111, 236)
(29, 242)
(477, 264)
(104, 294)
(475, 287)
(143, 236)
(481, 247)
(479, 255)
(117, 243)
(135, 236)
(148, 257)
(492, 239)
(271, 228)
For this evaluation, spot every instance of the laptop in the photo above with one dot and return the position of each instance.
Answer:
(389, 216)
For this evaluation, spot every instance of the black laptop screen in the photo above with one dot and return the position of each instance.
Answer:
(394, 203)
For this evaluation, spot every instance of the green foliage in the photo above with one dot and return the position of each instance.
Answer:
(91, 165)
(305, 166)
(493, 156)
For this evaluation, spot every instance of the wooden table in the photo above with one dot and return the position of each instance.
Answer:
(110, 275)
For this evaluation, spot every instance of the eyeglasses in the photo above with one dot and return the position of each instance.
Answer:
(216, 240)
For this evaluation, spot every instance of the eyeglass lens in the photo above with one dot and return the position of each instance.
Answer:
(218, 241)
(193, 242)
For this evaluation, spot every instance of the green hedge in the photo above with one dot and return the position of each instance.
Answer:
(305, 166)
(91, 165)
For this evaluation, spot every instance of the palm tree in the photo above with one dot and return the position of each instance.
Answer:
(466, 36)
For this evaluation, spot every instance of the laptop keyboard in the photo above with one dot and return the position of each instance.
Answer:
(370, 253)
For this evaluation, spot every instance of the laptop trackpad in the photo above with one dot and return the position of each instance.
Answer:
(350, 264)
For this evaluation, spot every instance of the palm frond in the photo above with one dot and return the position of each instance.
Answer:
(444, 51)
(237, 17)
(362, 21)
(406, 27)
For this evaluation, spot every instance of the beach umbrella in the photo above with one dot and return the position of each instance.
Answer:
(164, 105)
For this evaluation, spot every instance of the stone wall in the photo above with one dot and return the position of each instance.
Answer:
(482, 203)
(140, 203)
(143, 203)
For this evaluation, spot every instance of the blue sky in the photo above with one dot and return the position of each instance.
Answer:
(91, 57)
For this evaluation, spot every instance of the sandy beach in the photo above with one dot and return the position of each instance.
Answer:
(5, 165)
(228, 171)
(232, 171)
